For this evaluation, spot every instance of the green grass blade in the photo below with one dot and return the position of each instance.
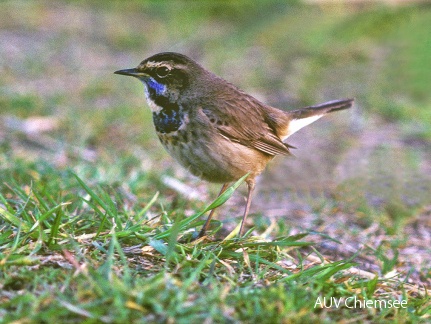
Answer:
(93, 196)
(47, 214)
(55, 226)
(42, 202)
(141, 214)
(219, 201)
(254, 258)
(12, 219)
(330, 271)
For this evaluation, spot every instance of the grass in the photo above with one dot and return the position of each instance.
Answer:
(74, 251)
(91, 232)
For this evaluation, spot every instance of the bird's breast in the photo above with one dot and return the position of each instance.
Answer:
(168, 119)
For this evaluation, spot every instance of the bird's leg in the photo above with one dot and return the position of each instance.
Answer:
(250, 184)
(207, 223)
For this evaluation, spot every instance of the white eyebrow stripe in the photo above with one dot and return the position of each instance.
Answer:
(152, 64)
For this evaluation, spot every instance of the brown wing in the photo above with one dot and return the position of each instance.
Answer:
(246, 123)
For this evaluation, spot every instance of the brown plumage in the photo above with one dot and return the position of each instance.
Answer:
(214, 129)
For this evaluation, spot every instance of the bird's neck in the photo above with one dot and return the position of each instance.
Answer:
(167, 113)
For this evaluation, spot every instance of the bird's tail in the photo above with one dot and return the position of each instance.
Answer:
(304, 116)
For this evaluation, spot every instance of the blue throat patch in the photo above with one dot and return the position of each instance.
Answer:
(154, 87)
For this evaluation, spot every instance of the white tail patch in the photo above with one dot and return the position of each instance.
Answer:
(296, 124)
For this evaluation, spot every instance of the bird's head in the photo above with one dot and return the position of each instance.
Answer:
(167, 76)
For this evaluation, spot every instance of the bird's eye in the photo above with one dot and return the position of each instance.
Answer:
(162, 71)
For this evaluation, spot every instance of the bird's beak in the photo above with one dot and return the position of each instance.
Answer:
(131, 72)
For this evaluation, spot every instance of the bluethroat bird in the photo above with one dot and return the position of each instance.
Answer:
(215, 130)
